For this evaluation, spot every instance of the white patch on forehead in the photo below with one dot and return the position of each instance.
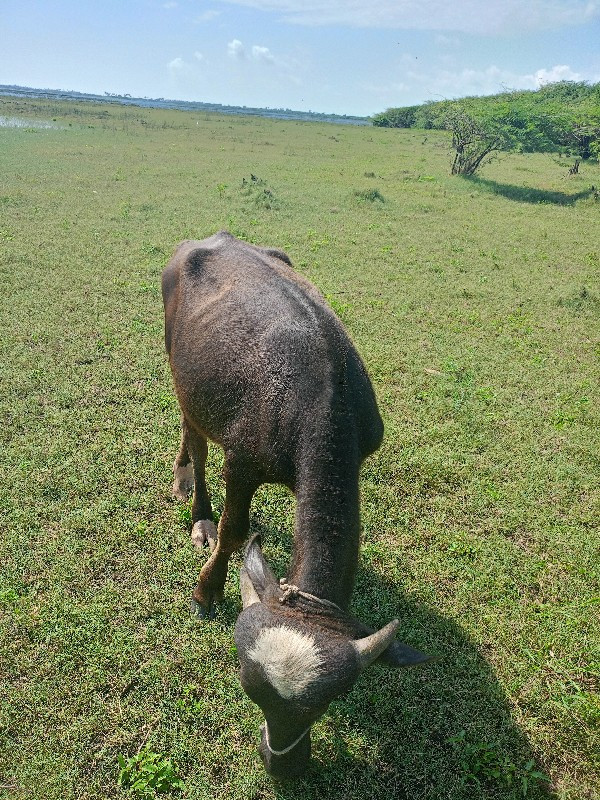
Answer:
(290, 659)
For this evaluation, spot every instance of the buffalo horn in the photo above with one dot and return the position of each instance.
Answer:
(371, 647)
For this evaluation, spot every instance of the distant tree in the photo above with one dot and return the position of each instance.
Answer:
(562, 117)
(396, 117)
(581, 134)
(514, 123)
(474, 140)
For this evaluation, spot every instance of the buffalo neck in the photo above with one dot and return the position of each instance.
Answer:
(327, 524)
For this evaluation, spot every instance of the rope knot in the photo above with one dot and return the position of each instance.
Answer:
(288, 589)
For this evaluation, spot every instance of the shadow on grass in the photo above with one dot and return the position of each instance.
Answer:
(392, 733)
(525, 194)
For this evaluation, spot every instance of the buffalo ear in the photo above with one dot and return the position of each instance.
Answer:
(249, 595)
(258, 574)
(398, 654)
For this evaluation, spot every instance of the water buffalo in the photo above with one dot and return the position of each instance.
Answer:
(264, 368)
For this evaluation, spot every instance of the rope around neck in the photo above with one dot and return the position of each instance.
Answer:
(287, 749)
(291, 591)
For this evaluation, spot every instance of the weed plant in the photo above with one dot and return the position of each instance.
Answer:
(475, 305)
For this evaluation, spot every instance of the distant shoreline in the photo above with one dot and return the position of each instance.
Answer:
(181, 105)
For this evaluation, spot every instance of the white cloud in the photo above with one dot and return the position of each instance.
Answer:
(471, 16)
(179, 68)
(198, 56)
(438, 84)
(262, 54)
(235, 49)
(560, 72)
(170, 4)
(176, 65)
(460, 83)
(206, 16)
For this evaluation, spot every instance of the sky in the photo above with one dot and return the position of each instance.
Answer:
(353, 57)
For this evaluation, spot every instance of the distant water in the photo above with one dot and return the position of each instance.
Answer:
(17, 122)
(181, 105)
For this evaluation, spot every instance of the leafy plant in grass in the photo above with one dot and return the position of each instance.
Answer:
(266, 199)
(257, 190)
(484, 762)
(8, 597)
(184, 513)
(147, 774)
(369, 195)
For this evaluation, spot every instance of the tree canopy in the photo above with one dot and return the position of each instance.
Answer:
(561, 117)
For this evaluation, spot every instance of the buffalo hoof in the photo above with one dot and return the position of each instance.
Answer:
(204, 533)
(183, 483)
(202, 613)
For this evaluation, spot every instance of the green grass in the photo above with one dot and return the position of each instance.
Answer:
(475, 304)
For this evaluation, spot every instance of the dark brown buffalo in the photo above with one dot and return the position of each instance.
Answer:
(264, 368)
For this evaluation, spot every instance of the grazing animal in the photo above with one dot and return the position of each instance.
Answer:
(263, 367)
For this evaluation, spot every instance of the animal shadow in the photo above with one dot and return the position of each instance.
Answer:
(441, 730)
(526, 194)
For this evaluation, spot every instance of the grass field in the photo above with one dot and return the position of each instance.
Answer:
(476, 307)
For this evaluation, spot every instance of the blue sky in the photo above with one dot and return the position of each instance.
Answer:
(343, 56)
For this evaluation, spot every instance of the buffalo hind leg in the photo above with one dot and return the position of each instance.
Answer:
(233, 530)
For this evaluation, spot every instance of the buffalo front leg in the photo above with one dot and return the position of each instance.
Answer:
(204, 531)
(233, 530)
(183, 470)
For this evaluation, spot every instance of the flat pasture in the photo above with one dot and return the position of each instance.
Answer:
(476, 307)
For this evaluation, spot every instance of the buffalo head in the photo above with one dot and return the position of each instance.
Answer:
(296, 657)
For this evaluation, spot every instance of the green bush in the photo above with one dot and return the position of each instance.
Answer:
(561, 117)
(147, 774)
(370, 195)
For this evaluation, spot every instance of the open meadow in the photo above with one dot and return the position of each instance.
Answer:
(475, 304)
